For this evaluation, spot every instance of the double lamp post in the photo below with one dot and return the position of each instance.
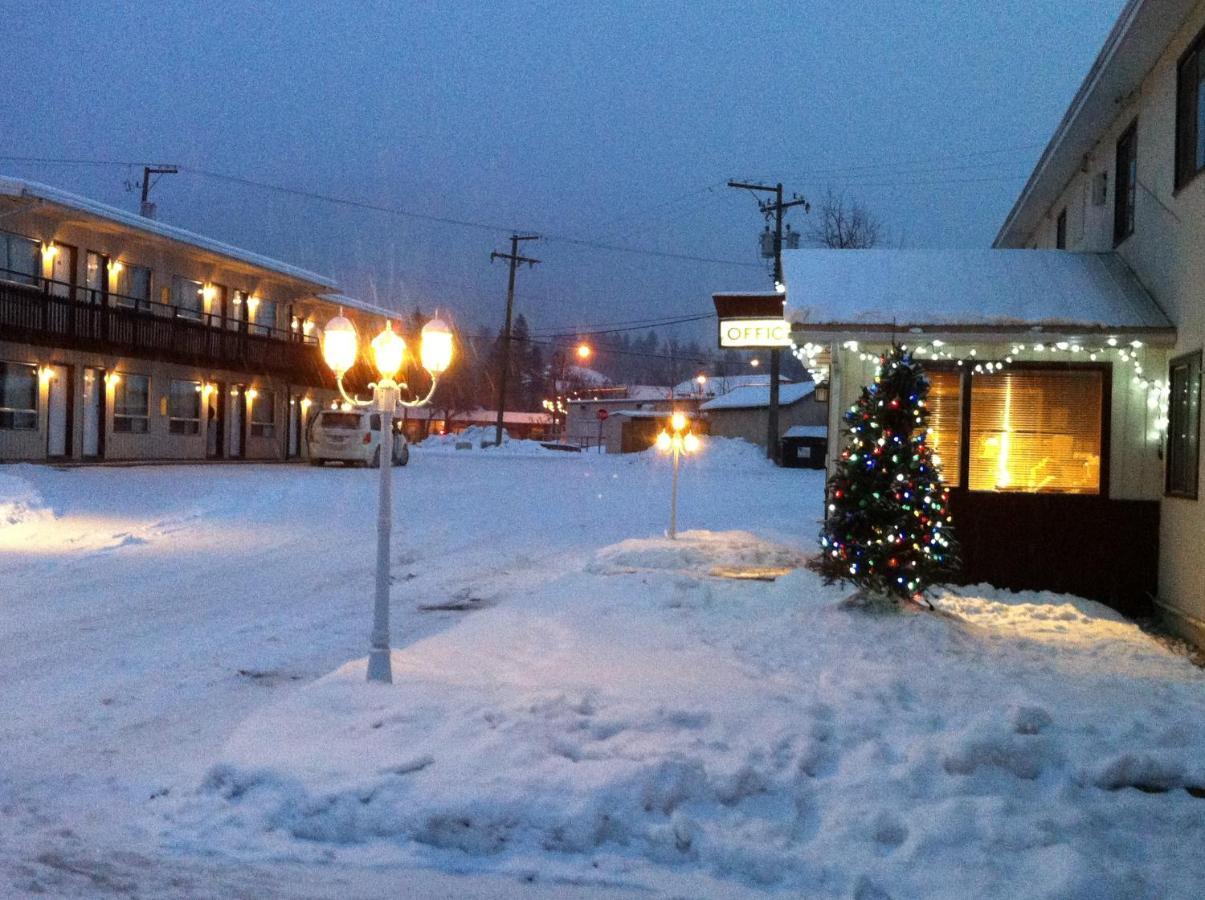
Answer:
(340, 348)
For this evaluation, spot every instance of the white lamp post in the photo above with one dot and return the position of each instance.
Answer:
(678, 440)
(340, 347)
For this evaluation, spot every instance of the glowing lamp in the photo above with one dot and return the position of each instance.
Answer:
(664, 442)
(702, 380)
(46, 374)
(388, 351)
(584, 352)
(340, 344)
(755, 363)
(49, 251)
(436, 347)
(115, 266)
(678, 422)
(252, 394)
(690, 443)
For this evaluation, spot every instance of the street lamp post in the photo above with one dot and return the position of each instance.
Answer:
(677, 441)
(340, 347)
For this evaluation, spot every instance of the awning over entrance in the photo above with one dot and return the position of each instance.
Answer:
(973, 294)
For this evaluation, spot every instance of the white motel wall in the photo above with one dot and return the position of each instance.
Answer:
(1167, 252)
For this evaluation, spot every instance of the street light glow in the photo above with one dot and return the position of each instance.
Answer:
(340, 344)
(436, 347)
(388, 351)
(584, 352)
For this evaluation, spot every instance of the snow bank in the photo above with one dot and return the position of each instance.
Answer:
(696, 552)
(20, 501)
(637, 720)
(716, 453)
(481, 437)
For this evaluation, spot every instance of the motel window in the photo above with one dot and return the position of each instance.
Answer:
(18, 397)
(184, 407)
(130, 285)
(1037, 431)
(945, 424)
(188, 297)
(1190, 113)
(1126, 185)
(20, 258)
(1184, 426)
(263, 315)
(1060, 231)
(263, 415)
(132, 404)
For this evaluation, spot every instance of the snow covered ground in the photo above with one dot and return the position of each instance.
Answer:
(580, 707)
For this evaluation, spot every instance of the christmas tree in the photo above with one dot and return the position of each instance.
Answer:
(888, 526)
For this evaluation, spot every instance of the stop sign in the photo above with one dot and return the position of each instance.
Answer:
(602, 415)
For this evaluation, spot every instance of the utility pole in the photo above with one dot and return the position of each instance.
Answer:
(514, 258)
(775, 207)
(147, 209)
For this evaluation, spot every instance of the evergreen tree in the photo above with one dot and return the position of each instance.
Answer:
(888, 529)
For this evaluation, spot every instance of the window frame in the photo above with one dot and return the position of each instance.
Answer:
(1060, 231)
(262, 428)
(1126, 199)
(186, 312)
(122, 418)
(8, 272)
(1189, 118)
(184, 426)
(1193, 361)
(967, 374)
(8, 414)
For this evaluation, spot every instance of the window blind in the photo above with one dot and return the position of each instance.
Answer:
(1036, 431)
(945, 424)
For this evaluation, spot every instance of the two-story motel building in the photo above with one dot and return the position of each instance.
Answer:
(123, 338)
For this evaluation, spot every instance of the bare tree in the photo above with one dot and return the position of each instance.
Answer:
(844, 224)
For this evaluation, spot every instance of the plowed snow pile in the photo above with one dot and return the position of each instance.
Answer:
(641, 722)
(20, 501)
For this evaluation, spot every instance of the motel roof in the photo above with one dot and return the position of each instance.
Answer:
(880, 293)
(20, 189)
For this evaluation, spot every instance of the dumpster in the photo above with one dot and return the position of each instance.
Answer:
(805, 446)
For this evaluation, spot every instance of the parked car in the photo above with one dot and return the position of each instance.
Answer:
(353, 438)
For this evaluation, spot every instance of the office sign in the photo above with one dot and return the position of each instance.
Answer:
(755, 333)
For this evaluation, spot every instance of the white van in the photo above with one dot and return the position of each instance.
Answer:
(353, 438)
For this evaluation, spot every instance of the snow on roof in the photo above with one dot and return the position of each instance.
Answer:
(899, 289)
(648, 413)
(806, 431)
(361, 305)
(640, 392)
(1142, 32)
(20, 188)
(756, 396)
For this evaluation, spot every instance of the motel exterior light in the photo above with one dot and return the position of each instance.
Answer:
(340, 347)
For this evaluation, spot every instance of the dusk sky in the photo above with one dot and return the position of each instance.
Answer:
(611, 123)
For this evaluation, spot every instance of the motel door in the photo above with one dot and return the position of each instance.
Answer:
(58, 412)
(293, 448)
(62, 271)
(237, 416)
(93, 446)
(215, 421)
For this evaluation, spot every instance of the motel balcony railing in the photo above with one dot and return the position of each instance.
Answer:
(52, 313)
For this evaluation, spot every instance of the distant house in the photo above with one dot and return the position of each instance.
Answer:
(425, 421)
(1066, 380)
(744, 412)
(586, 415)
